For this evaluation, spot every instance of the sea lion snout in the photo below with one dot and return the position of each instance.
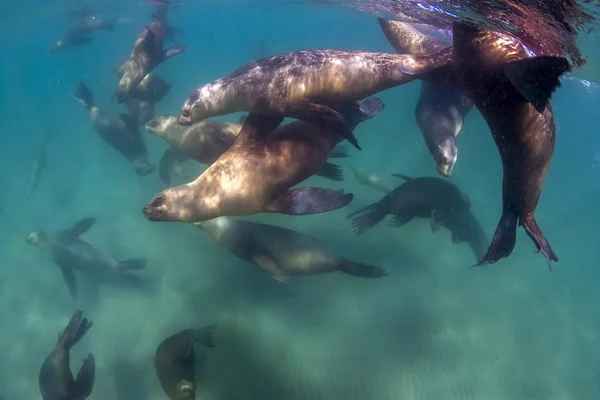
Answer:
(156, 210)
(446, 156)
(152, 124)
(35, 238)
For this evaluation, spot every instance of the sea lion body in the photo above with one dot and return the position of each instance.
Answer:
(256, 173)
(466, 228)
(79, 35)
(39, 164)
(371, 180)
(55, 378)
(281, 252)
(151, 89)
(175, 361)
(71, 253)
(140, 111)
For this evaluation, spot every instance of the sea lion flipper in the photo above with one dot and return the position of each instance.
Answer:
(330, 171)
(206, 335)
(362, 270)
(536, 78)
(504, 239)
(339, 151)
(173, 51)
(535, 233)
(398, 220)
(69, 277)
(366, 218)
(401, 176)
(77, 327)
(310, 200)
(133, 265)
(270, 265)
(79, 228)
(436, 220)
(169, 157)
(84, 382)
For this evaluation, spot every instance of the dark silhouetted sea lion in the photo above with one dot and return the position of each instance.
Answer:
(371, 180)
(256, 173)
(55, 378)
(441, 108)
(466, 228)
(146, 55)
(121, 133)
(71, 253)
(512, 90)
(79, 34)
(308, 85)
(426, 197)
(281, 252)
(39, 164)
(153, 88)
(175, 361)
(140, 111)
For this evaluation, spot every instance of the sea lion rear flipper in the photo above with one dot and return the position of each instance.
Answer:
(133, 265)
(436, 220)
(406, 178)
(339, 151)
(535, 233)
(69, 277)
(536, 78)
(310, 200)
(84, 382)
(77, 327)
(366, 218)
(206, 335)
(322, 115)
(79, 228)
(362, 270)
(330, 171)
(173, 51)
(504, 239)
(398, 220)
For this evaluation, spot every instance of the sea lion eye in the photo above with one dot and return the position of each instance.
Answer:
(185, 112)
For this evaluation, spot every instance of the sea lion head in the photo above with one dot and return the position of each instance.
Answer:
(185, 390)
(176, 204)
(445, 155)
(37, 238)
(161, 124)
(201, 103)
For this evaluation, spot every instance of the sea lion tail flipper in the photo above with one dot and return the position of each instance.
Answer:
(84, 382)
(135, 264)
(206, 335)
(77, 327)
(143, 168)
(535, 233)
(536, 78)
(339, 151)
(330, 171)
(355, 113)
(310, 200)
(362, 270)
(83, 95)
(172, 52)
(323, 115)
(79, 227)
(401, 176)
(504, 239)
(366, 218)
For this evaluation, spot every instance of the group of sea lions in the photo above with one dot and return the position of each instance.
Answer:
(254, 166)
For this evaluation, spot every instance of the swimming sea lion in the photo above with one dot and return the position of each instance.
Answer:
(256, 173)
(146, 55)
(281, 252)
(426, 197)
(175, 361)
(39, 164)
(442, 107)
(307, 85)
(151, 89)
(512, 90)
(79, 34)
(121, 133)
(465, 227)
(55, 377)
(170, 164)
(371, 180)
(71, 253)
(140, 111)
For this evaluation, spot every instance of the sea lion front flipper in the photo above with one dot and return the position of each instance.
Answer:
(535, 233)
(504, 239)
(437, 219)
(206, 335)
(330, 171)
(132, 265)
(536, 78)
(310, 200)
(322, 115)
(79, 228)
(84, 382)
(367, 217)
(406, 178)
(173, 51)
(361, 270)
(69, 277)
(270, 265)
(339, 151)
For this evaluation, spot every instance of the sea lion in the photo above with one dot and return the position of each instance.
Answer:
(153, 88)
(121, 133)
(55, 377)
(79, 35)
(171, 164)
(282, 252)
(147, 54)
(39, 164)
(425, 197)
(140, 111)
(175, 361)
(206, 141)
(466, 228)
(512, 90)
(441, 108)
(256, 173)
(71, 253)
(307, 85)
(371, 180)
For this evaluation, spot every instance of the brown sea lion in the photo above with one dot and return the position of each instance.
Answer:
(121, 133)
(512, 90)
(55, 377)
(281, 252)
(175, 361)
(71, 253)
(147, 54)
(153, 88)
(256, 173)
(441, 108)
(79, 35)
(307, 85)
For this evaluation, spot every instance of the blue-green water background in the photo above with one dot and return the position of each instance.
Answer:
(434, 329)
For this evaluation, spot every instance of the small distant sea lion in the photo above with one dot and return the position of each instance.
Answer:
(307, 85)
(55, 377)
(512, 90)
(282, 252)
(153, 88)
(426, 197)
(371, 180)
(79, 34)
(441, 108)
(121, 133)
(140, 111)
(71, 253)
(175, 361)
(147, 54)
(256, 173)
(39, 164)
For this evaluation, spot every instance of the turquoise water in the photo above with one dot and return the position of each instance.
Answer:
(433, 329)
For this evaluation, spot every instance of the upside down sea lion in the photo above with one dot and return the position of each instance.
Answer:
(307, 85)
(79, 35)
(281, 252)
(256, 173)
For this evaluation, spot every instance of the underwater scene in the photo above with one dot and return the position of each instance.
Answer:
(299, 200)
